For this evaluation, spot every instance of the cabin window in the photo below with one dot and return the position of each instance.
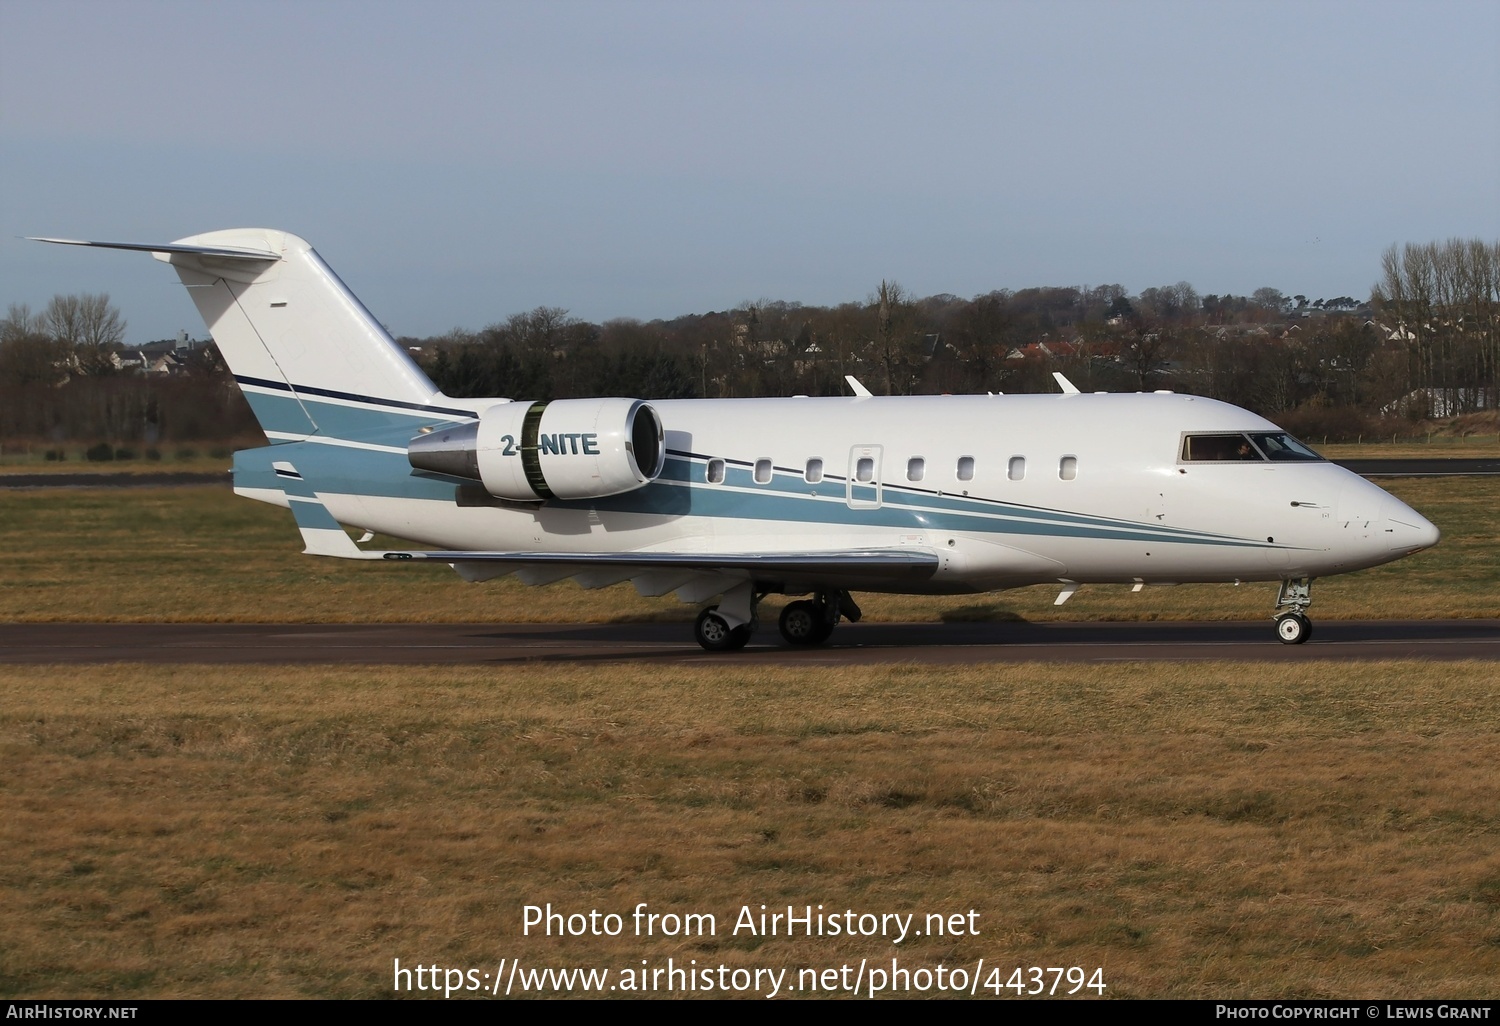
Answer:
(1223, 448)
(864, 470)
(1016, 470)
(1067, 469)
(714, 472)
(966, 468)
(762, 471)
(915, 468)
(814, 472)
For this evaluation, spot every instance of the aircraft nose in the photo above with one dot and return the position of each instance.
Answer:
(1409, 531)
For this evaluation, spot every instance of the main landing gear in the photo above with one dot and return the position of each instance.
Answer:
(1292, 625)
(729, 625)
(810, 622)
(714, 633)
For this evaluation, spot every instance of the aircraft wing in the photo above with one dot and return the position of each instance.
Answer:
(879, 563)
(652, 572)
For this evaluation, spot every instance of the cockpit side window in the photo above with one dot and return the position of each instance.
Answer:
(1281, 447)
(1219, 448)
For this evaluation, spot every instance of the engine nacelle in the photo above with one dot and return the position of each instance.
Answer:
(562, 449)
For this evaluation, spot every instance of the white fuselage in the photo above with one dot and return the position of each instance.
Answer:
(1007, 490)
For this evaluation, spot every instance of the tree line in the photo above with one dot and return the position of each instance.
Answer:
(1424, 343)
(61, 381)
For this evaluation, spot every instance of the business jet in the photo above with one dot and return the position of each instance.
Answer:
(724, 501)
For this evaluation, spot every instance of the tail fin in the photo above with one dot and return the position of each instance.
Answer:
(308, 355)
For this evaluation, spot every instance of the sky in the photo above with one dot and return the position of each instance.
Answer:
(457, 163)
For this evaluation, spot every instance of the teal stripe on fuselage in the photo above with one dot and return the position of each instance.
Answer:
(342, 470)
(279, 414)
(787, 498)
(925, 503)
(282, 412)
(681, 490)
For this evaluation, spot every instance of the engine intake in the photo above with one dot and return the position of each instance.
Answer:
(561, 449)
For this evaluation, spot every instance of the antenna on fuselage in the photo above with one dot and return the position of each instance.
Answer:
(1067, 386)
(859, 390)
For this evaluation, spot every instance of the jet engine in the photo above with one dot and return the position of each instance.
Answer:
(562, 449)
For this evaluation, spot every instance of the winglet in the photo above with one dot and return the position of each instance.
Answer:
(321, 533)
(1067, 386)
(859, 389)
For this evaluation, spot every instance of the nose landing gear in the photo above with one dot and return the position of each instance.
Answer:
(1293, 628)
(1292, 625)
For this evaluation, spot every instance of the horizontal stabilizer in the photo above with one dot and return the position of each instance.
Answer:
(227, 252)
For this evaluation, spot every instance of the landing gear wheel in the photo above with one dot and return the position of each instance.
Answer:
(804, 623)
(1293, 628)
(714, 633)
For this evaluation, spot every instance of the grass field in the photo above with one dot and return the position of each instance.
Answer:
(201, 554)
(1436, 448)
(203, 458)
(1208, 830)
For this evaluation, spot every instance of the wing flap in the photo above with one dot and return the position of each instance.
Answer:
(881, 564)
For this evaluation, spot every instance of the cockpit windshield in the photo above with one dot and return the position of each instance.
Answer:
(1256, 447)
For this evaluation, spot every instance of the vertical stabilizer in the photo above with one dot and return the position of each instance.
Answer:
(309, 357)
(306, 352)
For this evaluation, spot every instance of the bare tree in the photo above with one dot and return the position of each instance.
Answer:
(1443, 300)
(87, 326)
(101, 333)
(62, 320)
(19, 320)
(894, 346)
(1146, 350)
(28, 355)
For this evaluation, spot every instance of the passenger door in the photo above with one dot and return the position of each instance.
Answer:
(862, 487)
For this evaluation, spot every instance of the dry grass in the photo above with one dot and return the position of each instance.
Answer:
(1437, 447)
(1473, 435)
(1204, 830)
(201, 554)
(175, 459)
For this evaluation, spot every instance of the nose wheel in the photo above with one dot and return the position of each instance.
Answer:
(1292, 625)
(1293, 628)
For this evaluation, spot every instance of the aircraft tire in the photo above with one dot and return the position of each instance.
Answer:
(715, 635)
(1293, 628)
(803, 623)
